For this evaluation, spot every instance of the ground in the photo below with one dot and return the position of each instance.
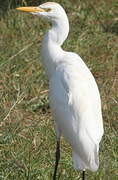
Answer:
(27, 137)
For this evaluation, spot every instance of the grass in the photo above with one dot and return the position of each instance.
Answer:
(27, 137)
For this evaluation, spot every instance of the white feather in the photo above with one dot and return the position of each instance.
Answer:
(73, 94)
(76, 107)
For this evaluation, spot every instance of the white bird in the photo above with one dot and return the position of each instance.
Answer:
(73, 93)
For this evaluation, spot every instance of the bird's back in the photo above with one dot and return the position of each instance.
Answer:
(76, 107)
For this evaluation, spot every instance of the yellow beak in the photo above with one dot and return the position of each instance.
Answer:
(31, 9)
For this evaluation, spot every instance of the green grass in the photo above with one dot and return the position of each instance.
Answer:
(27, 137)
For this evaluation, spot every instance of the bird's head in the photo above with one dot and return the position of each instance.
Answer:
(50, 10)
(56, 15)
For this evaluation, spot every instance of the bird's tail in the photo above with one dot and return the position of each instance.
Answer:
(91, 163)
(77, 162)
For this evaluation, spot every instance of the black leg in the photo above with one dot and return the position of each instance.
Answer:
(57, 159)
(83, 175)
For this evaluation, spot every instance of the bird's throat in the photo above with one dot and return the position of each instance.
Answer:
(59, 31)
(51, 49)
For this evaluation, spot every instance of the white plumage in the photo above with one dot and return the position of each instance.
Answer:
(73, 93)
(77, 111)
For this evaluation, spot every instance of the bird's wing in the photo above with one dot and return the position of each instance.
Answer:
(76, 107)
(74, 93)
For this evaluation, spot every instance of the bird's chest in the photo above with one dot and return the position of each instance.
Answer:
(51, 56)
(48, 60)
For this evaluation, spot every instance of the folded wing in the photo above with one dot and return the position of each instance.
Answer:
(76, 107)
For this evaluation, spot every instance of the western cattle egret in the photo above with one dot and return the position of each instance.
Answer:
(73, 93)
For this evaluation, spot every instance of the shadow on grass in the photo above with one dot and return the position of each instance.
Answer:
(111, 27)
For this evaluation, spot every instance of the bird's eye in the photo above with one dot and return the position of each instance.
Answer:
(48, 9)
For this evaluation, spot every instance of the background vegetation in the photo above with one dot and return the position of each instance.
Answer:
(27, 138)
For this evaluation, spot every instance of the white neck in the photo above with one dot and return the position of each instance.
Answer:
(51, 48)
(60, 30)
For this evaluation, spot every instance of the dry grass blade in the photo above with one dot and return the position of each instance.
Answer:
(18, 101)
